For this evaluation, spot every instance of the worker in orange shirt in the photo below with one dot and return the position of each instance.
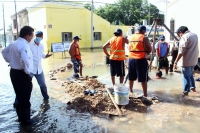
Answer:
(75, 54)
(117, 55)
(139, 48)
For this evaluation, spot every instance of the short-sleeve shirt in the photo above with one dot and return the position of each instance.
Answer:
(163, 48)
(188, 47)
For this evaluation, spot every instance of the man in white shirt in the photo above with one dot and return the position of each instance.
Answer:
(19, 57)
(37, 49)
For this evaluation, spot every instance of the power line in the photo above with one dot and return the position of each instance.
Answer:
(43, 1)
(63, 2)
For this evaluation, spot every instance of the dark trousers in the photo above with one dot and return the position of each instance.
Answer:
(22, 85)
(174, 56)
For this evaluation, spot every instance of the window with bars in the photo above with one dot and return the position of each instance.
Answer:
(172, 29)
(97, 36)
(67, 36)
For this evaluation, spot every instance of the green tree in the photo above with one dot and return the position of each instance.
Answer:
(109, 12)
(128, 12)
(88, 6)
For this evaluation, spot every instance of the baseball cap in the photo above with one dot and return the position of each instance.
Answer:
(118, 31)
(162, 37)
(76, 37)
(141, 28)
(39, 33)
(181, 29)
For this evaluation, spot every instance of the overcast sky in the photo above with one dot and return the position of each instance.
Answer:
(9, 8)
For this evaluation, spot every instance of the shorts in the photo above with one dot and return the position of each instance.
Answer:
(117, 68)
(76, 64)
(138, 69)
(163, 63)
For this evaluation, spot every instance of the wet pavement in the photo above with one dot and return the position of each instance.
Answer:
(174, 114)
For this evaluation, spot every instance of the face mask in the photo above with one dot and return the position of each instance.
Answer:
(38, 39)
(162, 41)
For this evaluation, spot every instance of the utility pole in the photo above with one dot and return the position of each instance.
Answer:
(166, 1)
(92, 26)
(149, 14)
(4, 25)
(16, 19)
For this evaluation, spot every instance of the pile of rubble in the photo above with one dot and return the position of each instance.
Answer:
(81, 102)
(96, 103)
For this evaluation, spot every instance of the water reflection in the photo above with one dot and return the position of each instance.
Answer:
(174, 114)
(44, 106)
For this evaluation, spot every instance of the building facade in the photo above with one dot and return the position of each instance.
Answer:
(20, 21)
(183, 13)
(61, 21)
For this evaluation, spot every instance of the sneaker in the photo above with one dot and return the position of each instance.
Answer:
(75, 75)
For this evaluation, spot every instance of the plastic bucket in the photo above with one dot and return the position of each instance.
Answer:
(121, 94)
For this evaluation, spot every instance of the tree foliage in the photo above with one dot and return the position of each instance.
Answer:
(128, 12)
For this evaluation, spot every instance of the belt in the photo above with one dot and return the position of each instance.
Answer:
(17, 69)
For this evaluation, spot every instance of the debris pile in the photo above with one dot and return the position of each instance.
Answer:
(89, 95)
(95, 103)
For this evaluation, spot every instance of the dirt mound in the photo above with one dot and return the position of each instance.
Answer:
(95, 103)
(80, 102)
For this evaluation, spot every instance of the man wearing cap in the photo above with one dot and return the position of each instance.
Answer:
(75, 54)
(188, 53)
(139, 47)
(37, 49)
(162, 50)
(116, 56)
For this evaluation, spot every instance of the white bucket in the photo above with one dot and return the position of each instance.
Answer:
(121, 94)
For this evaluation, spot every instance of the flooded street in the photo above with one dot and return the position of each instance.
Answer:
(175, 114)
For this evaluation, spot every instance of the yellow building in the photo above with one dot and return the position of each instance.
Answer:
(61, 21)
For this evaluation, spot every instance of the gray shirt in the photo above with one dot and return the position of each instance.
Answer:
(188, 47)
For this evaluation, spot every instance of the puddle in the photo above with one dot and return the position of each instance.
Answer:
(174, 114)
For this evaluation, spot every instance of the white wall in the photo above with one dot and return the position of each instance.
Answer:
(185, 13)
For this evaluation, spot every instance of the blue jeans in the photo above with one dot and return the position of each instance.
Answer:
(41, 81)
(188, 79)
(76, 64)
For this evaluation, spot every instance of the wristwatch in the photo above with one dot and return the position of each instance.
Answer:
(175, 63)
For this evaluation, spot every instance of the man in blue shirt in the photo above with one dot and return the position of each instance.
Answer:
(162, 50)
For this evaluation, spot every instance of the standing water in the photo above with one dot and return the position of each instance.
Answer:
(174, 113)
